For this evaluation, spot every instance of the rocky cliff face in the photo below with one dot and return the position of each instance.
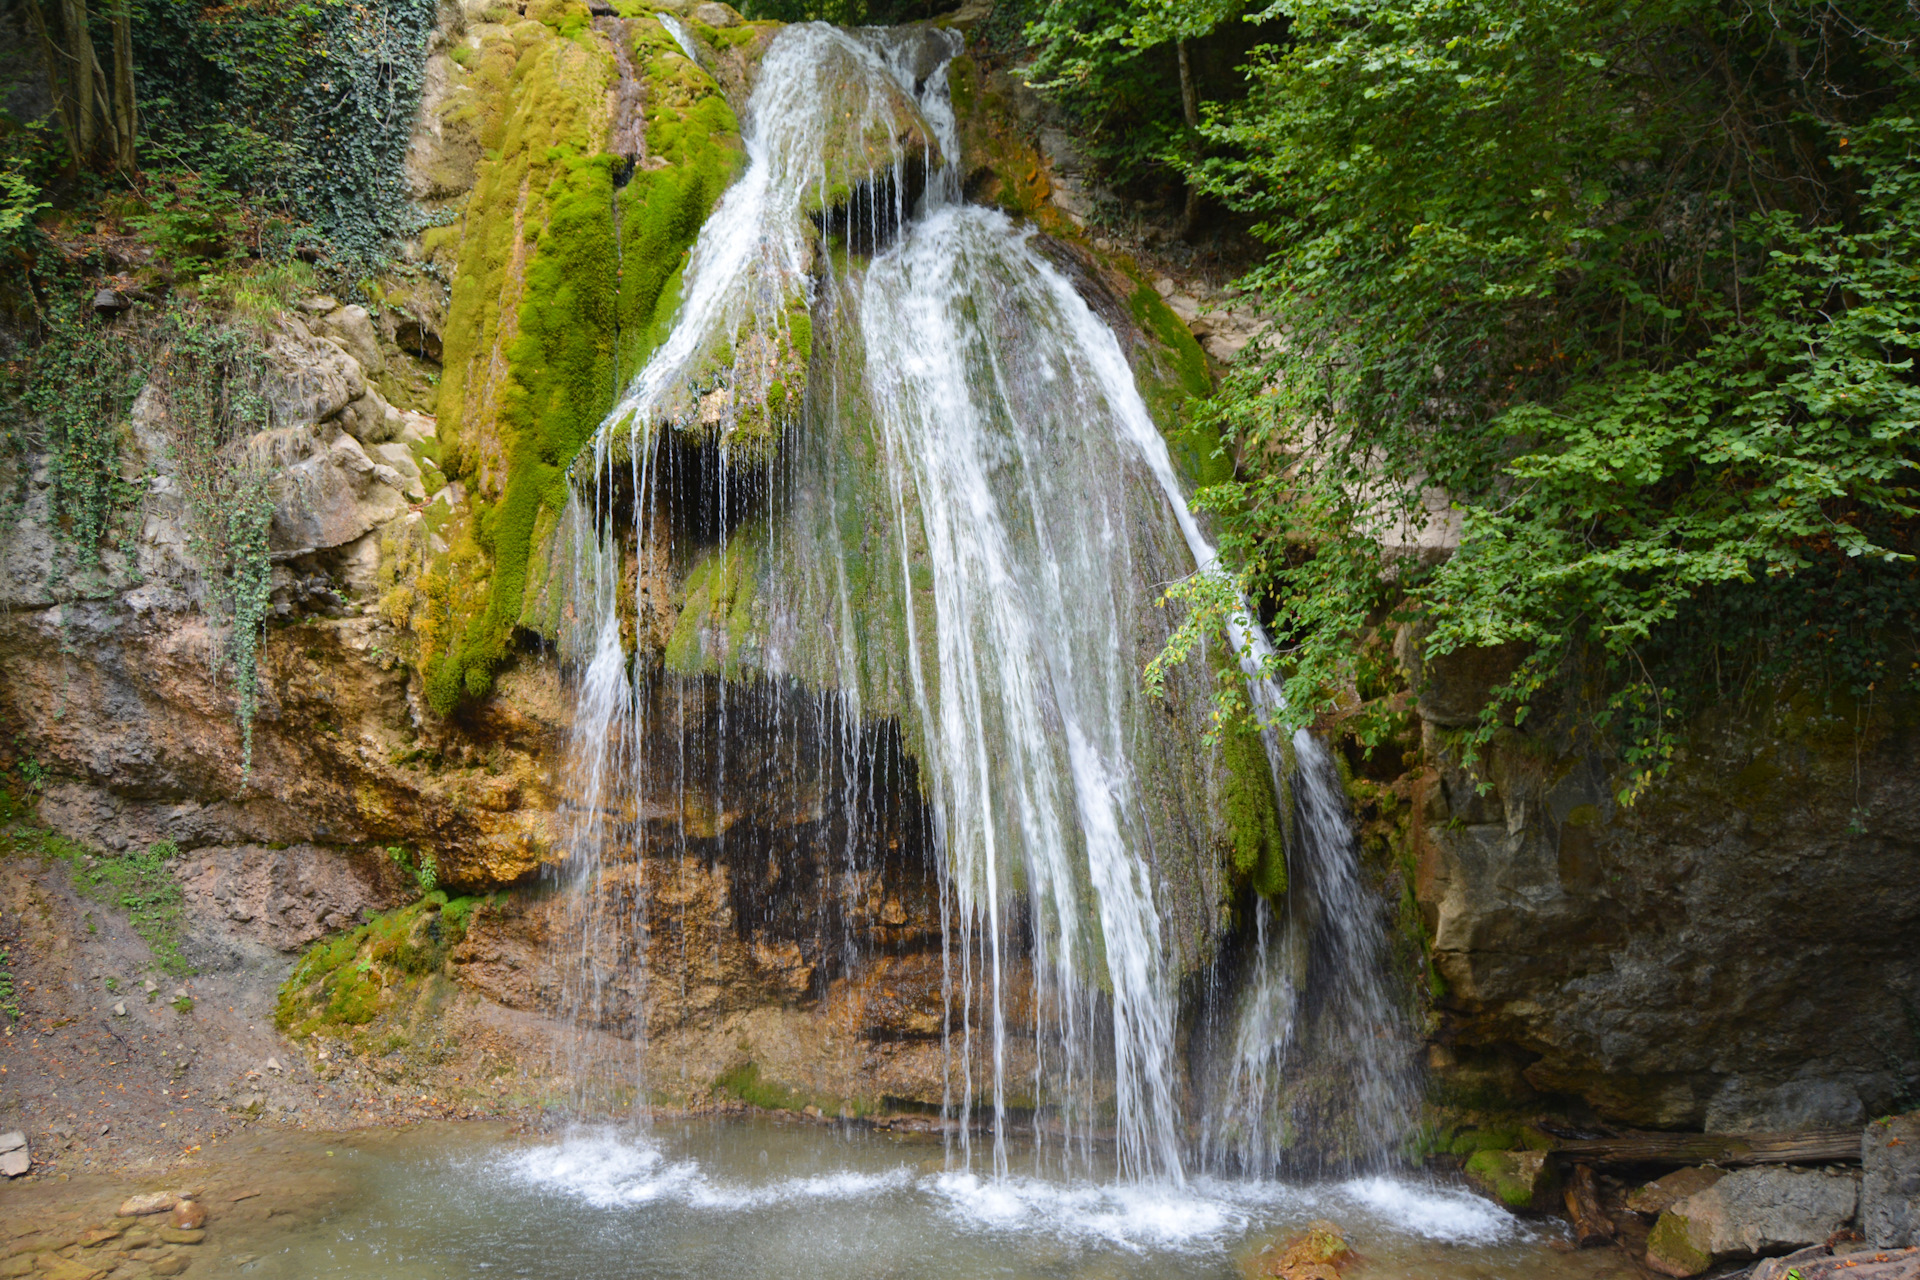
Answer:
(1738, 951)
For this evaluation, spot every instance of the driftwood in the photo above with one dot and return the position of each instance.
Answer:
(1591, 1225)
(1825, 1146)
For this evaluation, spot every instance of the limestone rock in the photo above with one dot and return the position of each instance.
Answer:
(352, 328)
(1517, 1179)
(1659, 1195)
(716, 15)
(1746, 1106)
(1890, 1182)
(334, 497)
(312, 381)
(15, 1158)
(400, 458)
(1751, 1212)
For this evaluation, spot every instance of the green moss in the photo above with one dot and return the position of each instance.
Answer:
(1180, 374)
(571, 309)
(1672, 1240)
(140, 883)
(1253, 813)
(745, 1082)
(1499, 1172)
(347, 981)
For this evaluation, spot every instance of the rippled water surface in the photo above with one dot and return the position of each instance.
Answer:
(731, 1199)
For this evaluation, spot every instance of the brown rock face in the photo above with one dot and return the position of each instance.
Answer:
(1738, 951)
(775, 873)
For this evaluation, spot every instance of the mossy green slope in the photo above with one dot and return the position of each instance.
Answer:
(567, 274)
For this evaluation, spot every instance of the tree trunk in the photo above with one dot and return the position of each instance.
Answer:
(98, 116)
(86, 75)
(1190, 108)
(64, 104)
(126, 117)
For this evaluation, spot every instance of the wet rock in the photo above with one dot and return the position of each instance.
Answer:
(1523, 1180)
(1890, 1182)
(179, 1235)
(1318, 1254)
(54, 1267)
(716, 15)
(1659, 1195)
(1751, 1212)
(152, 1202)
(190, 1215)
(172, 1265)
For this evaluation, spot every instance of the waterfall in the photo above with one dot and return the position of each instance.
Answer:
(956, 530)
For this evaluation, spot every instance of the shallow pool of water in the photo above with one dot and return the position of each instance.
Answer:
(703, 1200)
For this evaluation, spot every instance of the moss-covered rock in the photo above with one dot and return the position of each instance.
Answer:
(343, 984)
(566, 272)
(1677, 1247)
(1521, 1180)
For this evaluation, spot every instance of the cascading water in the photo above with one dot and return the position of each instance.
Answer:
(962, 514)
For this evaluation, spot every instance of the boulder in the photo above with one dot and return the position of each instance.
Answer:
(1751, 1212)
(1523, 1180)
(352, 328)
(1890, 1182)
(312, 381)
(1659, 1195)
(334, 497)
(370, 419)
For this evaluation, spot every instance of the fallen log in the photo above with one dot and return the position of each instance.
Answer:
(1824, 1146)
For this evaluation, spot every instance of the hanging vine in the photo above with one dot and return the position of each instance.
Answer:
(209, 377)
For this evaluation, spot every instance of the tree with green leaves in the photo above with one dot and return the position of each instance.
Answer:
(1635, 287)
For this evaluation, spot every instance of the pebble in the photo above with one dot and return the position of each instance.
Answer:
(119, 1008)
(273, 1064)
(176, 1235)
(190, 1215)
(15, 1158)
(172, 1265)
(150, 986)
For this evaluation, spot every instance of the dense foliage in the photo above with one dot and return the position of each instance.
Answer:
(1636, 290)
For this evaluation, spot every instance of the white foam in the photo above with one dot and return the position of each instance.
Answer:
(603, 1171)
(1438, 1213)
(607, 1171)
(1133, 1216)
